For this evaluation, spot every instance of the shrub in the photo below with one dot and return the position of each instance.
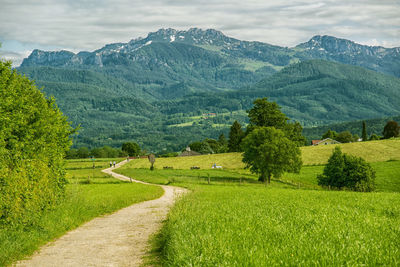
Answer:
(34, 138)
(347, 171)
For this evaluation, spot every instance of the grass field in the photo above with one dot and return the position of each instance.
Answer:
(84, 201)
(255, 226)
(372, 151)
(82, 172)
(228, 223)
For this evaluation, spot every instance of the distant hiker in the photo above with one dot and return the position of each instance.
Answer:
(110, 164)
(114, 164)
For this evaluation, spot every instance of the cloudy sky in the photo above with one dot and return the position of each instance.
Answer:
(78, 25)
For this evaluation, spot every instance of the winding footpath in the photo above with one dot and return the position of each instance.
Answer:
(118, 239)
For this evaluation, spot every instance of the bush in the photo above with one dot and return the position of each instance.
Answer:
(347, 171)
(34, 140)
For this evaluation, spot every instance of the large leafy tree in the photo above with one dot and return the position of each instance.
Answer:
(236, 135)
(391, 129)
(131, 148)
(34, 137)
(269, 114)
(267, 152)
(330, 134)
(345, 137)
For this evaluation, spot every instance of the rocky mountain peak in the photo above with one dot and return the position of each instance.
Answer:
(330, 44)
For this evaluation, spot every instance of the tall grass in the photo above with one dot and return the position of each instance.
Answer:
(255, 226)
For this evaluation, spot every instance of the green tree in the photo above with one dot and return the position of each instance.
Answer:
(98, 152)
(267, 152)
(347, 171)
(201, 147)
(391, 129)
(374, 137)
(223, 144)
(267, 114)
(236, 135)
(131, 148)
(35, 137)
(72, 154)
(83, 152)
(333, 171)
(364, 134)
(330, 134)
(360, 176)
(344, 137)
(294, 132)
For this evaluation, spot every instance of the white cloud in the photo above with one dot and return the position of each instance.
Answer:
(89, 24)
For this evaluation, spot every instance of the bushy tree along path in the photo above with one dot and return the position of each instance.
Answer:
(118, 239)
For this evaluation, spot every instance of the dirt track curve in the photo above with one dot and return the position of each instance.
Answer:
(118, 239)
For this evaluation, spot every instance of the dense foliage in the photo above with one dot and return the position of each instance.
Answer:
(375, 128)
(236, 135)
(269, 114)
(347, 171)
(391, 129)
(34, 137)
(267, 152)
(131, 148)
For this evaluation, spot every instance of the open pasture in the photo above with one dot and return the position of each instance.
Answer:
(258, 226)
(224, 224)
(193, 178)
(371, 151)
(81, 171)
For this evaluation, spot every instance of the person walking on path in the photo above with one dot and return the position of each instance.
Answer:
(110, 164)
(114, 164)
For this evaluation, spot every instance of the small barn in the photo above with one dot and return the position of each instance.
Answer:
(326, 141)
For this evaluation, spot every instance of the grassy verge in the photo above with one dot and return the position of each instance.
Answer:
(83, 202)
(255, 226)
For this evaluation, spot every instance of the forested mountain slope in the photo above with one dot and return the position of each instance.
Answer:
(154, 90)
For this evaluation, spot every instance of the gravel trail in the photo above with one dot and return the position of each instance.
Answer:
(118, 239)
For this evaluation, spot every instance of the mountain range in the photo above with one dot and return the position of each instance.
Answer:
(154, 90)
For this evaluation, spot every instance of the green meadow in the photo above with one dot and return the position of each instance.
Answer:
(231, 219)
(258, 226)
(90, 193)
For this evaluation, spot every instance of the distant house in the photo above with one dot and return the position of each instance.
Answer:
(188, 153)
(326, 141)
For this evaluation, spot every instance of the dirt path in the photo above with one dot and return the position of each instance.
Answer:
(118, 239)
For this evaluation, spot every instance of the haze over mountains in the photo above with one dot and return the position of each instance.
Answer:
(156, 87)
